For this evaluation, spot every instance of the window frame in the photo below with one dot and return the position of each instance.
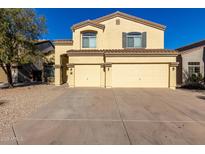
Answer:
(193, 66)
(133, 35)
(83, 35)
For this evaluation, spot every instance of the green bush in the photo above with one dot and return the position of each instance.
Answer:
(195, 78)
(195, 81)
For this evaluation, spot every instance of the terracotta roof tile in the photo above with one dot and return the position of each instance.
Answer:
(63, 41)
(127, 51)
(86, 23)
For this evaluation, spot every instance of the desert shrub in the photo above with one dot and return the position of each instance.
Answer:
(195, 81)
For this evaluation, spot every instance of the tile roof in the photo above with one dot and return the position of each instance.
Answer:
(139, 51)
(191, 46)
(96, 22)
(87, 23)
(130, 17)
(63, 41)
(37, 42)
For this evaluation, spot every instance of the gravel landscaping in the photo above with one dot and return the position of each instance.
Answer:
(18, 103)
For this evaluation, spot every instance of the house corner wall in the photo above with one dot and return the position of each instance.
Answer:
(172, 77)
(60, 50)
(102, 76)
(71, 76)
(108, 78)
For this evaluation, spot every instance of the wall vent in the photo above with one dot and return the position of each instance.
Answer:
(117, 21)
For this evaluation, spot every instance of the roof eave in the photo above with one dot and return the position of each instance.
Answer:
(124, 52)
(88, 23)
(130, 17)
(191, 46)
(46, 41)
(59, 42)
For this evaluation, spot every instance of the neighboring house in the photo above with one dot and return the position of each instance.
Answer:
(117, 50)
(41, 69)
(37, 71)
(192, 59)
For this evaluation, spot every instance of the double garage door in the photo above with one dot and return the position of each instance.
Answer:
(124, 75)
(140, 75)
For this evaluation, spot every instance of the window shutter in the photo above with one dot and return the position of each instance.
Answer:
(144, 39)
(124, 42)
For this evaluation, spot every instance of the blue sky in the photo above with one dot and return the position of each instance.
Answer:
(184, 26)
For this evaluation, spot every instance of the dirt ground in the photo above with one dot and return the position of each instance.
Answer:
(18, 103)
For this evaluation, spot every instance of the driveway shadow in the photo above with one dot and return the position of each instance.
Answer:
(25, 84)
(201, 97)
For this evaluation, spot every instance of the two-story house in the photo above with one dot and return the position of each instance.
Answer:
(117, 50)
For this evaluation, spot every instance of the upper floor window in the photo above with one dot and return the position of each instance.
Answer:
(134, 40)
(89, 40)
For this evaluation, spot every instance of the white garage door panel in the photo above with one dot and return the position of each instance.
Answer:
(87, 75)
(140, 75)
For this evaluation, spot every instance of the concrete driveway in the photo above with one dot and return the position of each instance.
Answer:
(117, 116)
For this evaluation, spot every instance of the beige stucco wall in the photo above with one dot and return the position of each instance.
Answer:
(77, 37)
(108, 77)
(102, 76)
(111, 36)
(141, 59)
(85, 59)
(59, 51)
(3, 77)
(172, 77)
(71, 76)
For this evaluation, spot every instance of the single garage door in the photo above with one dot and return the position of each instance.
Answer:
(140, 75)
(87, 75)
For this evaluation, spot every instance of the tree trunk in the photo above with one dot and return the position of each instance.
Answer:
(9, 75)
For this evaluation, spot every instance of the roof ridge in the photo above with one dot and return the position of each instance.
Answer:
(192, 45)
(87, 22)
(126, 49)
(103, 18)
(62, 39)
